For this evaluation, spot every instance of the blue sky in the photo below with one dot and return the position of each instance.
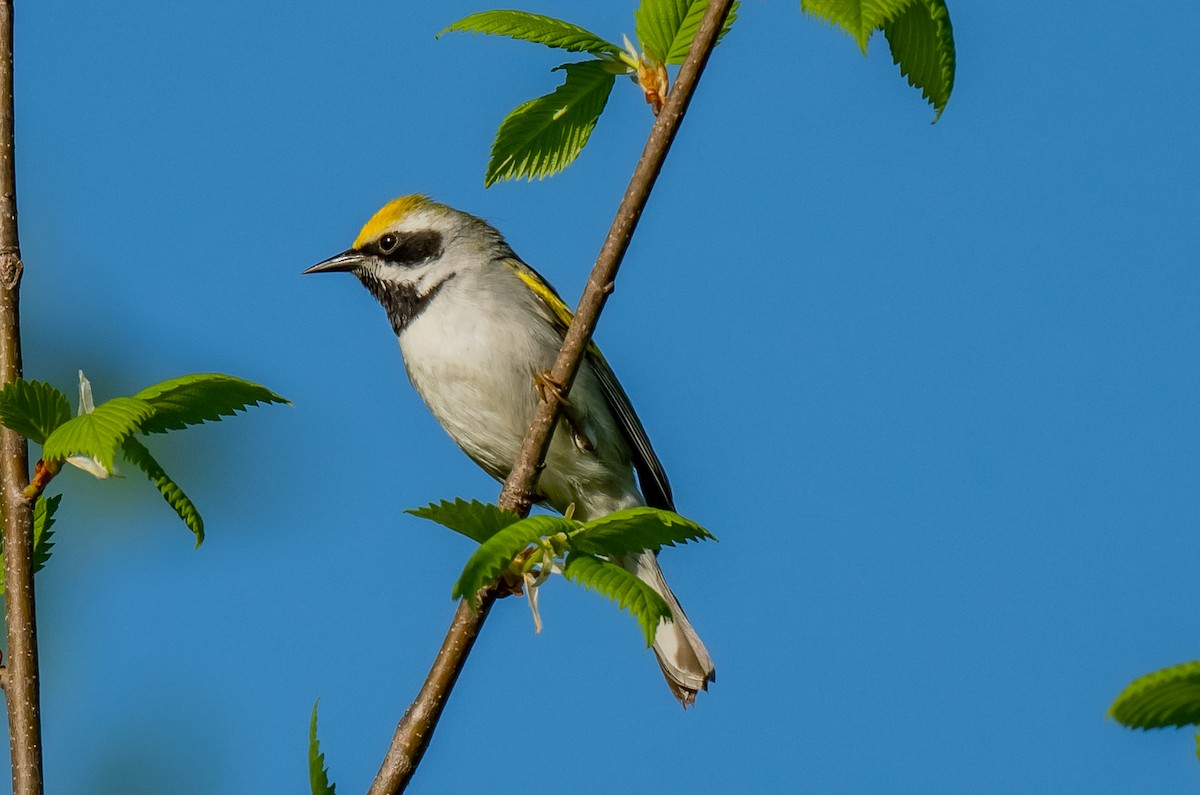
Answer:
(933, 387)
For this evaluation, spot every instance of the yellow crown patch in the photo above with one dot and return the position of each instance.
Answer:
(389, 214)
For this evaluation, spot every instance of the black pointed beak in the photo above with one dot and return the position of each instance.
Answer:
(348, 260)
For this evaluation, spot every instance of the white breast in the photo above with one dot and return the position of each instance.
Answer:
(475, 368)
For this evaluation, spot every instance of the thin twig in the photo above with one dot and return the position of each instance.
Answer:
(415, 730)
(21, 674)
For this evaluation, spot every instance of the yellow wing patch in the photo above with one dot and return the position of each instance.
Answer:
(389, 214)
(544, 291)
(653, 480)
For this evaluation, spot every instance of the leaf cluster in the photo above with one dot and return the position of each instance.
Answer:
(98, 434)
(543, 136)
(587, 553)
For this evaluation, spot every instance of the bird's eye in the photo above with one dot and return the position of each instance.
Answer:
(387, 243)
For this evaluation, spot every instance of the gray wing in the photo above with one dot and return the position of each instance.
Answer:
(651, 477)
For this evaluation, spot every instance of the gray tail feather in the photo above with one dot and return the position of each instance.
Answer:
(680, 652)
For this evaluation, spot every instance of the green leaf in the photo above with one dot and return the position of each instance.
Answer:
(622, 587)
(478, 521)
(1170, 697)
(495, 554)
(536, 28)
(137, 454)
(43, 519)
(544, 135)
(318, 774)
(691, 24)
(201, 397)
(666, 28)
(859, 18)
(922, 45)
(33, 409)
(98, 434)
(632, 530)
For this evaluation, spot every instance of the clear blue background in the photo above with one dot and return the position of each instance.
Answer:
(934, 387)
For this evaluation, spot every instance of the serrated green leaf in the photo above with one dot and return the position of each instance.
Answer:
(544, 135)
(1169, 697)
(137, 454)
(691, 24)
(495, 554)
(478, 521)
(535, 28)
(622, 587)
(43, 520)
(859, 18)
(656, 23)
(633, 530)
(666, 28)
(922, 44)
(318, 774)
(200, 397)
(33, 409)
(99, 434)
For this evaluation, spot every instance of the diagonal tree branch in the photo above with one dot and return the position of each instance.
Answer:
(415, 730)
(21, 675)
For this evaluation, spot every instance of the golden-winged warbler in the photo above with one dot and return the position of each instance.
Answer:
(477, 327)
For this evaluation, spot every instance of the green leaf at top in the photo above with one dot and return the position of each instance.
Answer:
(137, 454)
(33, 409)
(100, 433)
(200, 397)
(478, 521)
(622, 587)
(43, 520)
(859, 18)
(495, 554)
(922, 45)
(536, 28)
(1170, 697)
(544, 135)
(318, 774)
(633, 530)
(666, 27)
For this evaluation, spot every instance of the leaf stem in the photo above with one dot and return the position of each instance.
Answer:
(415, 729)
(21, 674)
(43, 473)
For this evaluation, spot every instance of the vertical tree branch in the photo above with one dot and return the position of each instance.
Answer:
(415, 730)
(21, 674)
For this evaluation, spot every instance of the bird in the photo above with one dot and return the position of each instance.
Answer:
(477, 329)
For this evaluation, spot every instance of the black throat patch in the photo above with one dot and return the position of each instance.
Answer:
(401, 300)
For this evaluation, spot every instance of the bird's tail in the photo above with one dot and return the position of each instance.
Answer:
(680, 652)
